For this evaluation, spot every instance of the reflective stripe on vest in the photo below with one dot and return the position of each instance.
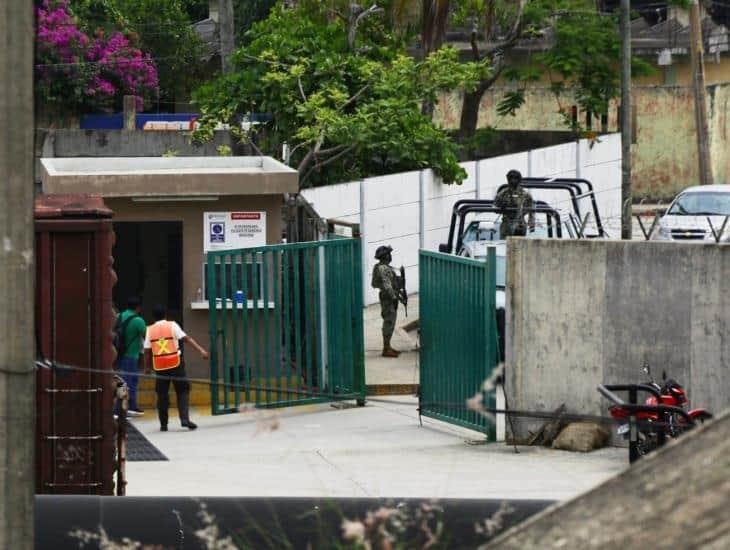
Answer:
(164, 346)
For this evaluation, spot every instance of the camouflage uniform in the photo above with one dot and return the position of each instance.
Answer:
(513, 201)
(385, 279)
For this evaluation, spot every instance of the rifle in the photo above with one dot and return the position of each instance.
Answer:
(402, 293)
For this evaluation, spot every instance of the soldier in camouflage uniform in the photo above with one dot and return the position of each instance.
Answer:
(386, 280)
(513, 201)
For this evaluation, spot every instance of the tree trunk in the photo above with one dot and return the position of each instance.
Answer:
(470, 113)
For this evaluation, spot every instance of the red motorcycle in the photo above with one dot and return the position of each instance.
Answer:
(663, 414)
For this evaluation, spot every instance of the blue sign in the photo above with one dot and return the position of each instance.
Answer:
(217, 232)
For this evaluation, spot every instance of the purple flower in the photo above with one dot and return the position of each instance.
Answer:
(103, 70)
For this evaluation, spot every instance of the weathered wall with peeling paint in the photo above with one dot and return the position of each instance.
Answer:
(665, 152)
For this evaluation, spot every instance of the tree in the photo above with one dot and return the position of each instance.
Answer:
(341, 92)
(78, 73)
(163, 28)
(581, 52)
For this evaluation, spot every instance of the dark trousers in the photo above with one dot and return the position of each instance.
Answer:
(178, 378)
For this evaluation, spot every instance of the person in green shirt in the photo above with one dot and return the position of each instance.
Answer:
(133, 329)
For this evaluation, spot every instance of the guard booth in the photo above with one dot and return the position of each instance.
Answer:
(75, 432)
(170, 215)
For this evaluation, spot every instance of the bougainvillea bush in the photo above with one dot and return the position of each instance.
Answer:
(78, 73)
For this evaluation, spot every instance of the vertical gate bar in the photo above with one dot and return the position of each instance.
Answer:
(357, 284)
(256, 326)
(323, 301)
(491, 326)
(446, 314)
(266, 314)
(331, 287)
(424, 314)
(224, 324)
(307, 322)
(286, 305)
(212, 290)
(350, 312)
(235, 286)
(316, 318)
(474, 380)
(345, 317)
(297, 318)
(340, 320)
(245, 347)
(276, 312)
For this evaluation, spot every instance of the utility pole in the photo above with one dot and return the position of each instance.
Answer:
(225, 26)
(17, 351)
(700, 93)
(626, 120)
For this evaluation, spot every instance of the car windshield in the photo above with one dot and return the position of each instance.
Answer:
(479, 230)
(701, 204)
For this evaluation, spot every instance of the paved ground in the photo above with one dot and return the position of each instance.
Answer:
(377, 451)
(387, 370)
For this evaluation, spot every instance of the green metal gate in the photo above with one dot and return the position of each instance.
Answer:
(286, 324)
(459, 343)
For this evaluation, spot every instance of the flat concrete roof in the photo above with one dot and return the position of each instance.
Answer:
(167, 176)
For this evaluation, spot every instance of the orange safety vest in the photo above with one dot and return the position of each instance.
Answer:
(165, 350)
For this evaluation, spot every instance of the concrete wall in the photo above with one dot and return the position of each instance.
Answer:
(129, 143)
(191, 215)
(123, 143)
(412, 210)
(665, 152)
(581, 313)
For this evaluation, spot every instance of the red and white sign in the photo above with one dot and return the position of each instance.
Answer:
(233, 230)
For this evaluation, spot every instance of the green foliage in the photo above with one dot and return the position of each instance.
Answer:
(583, 58)
(160, 27)
(346, 112)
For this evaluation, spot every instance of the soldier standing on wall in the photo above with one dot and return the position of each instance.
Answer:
(513, 201)
(387, 281)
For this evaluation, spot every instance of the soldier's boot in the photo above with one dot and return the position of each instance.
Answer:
(387, 350)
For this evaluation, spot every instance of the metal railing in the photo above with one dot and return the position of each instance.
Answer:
(286, 324)
(459, 345)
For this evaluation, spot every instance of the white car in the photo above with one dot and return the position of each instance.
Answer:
(693, 215)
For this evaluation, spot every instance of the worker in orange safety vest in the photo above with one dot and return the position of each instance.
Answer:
(163, 355)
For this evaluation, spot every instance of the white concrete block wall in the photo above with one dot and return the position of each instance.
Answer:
(493, 172)
(399, 207)
(335, 201)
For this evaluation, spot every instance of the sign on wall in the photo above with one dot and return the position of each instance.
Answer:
(232, 230)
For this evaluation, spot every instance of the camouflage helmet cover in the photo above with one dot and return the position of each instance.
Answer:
(382, 251)
(514, 174)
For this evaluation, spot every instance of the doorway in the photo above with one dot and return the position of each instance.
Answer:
(148, 263)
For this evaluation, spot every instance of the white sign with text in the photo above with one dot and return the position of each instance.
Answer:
(232, 230)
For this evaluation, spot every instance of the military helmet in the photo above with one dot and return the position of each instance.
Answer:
(514, 174)
(382, 251)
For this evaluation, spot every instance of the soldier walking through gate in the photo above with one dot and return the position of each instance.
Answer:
(514, 201)
(387, 281)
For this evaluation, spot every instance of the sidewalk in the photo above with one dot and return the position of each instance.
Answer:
(381, 370)
(374, 451)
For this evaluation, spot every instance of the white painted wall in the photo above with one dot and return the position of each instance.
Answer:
(412, 210)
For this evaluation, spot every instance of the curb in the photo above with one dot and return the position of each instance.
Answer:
(391, 389)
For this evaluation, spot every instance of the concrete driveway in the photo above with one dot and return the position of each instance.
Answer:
(379, 450)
